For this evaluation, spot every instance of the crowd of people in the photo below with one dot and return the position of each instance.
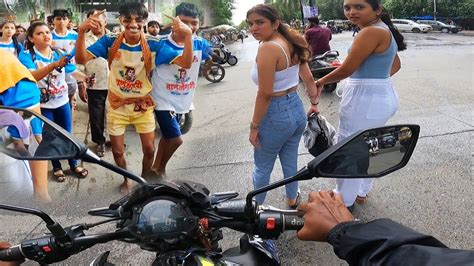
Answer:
(133, 78)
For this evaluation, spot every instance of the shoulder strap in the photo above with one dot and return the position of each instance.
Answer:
(286, 55)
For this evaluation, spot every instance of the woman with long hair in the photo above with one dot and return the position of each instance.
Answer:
(368, 98)
(8, 41)
(49, 66)
(279, 118)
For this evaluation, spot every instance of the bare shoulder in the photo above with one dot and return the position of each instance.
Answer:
(373, 32)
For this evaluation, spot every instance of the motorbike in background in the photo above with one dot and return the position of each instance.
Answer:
(212, 72)
(321, 65)
(223, 55)
(182, 220)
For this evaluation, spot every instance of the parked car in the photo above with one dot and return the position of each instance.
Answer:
(388, 141)
(410, 25)
(440, 26)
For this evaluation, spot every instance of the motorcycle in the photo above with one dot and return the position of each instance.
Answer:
(321, 65)
(181, 220)
(213, 72)
(224, 55)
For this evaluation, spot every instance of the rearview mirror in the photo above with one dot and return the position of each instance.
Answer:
(51, 143)
(370, 153)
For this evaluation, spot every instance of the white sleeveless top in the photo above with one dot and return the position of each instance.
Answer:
(284, 79)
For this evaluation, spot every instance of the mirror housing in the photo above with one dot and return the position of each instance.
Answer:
(368, 153)
(57, 143)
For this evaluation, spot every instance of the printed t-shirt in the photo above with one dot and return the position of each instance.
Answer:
(67, 43)
(174, 86)
(128, 77)
(57, 88)
(10, 47)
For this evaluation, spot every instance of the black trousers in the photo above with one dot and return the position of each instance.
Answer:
(96, 104)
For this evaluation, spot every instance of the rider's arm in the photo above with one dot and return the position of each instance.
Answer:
(386, 242)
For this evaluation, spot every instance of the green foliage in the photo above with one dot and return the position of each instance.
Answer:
(222, 11)
(444, 8)
(243, 25)
(287, 9)
(330, 9)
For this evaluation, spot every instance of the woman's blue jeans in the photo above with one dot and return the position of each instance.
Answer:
(280, 132)
(63, 117)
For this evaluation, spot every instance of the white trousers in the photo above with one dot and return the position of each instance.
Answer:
(365, 103)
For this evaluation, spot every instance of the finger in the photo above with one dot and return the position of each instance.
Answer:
(98, 13)
(338, 197)
(172, 18)
(303, 207)
(304, 234)
(312, 196)
(4, 245)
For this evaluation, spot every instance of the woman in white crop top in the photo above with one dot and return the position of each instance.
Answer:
(279, 117)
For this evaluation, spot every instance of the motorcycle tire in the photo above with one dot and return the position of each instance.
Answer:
(214, 73)
(232, 60)
(330, 87)
(185, 122)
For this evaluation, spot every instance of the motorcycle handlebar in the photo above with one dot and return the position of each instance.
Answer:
(12, 254)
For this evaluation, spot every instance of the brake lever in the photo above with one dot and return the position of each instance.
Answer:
(287, 212)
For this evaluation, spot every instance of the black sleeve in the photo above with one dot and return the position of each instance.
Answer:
(385, 242)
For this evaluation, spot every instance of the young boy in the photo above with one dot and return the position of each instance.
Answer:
(174, 86)
(153, 28)
(131, 57)
(65, 39)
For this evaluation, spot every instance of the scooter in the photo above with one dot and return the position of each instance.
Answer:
(321, 65)
(181, 220)
(224, 55)
(213, 72)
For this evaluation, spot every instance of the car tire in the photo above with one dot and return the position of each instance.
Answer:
(445, 30)
(416, 30)
(454, 31)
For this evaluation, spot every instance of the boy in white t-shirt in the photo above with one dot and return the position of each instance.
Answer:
(174, 86)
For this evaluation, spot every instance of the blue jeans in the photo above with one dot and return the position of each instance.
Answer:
(63, 117)
(280, 132)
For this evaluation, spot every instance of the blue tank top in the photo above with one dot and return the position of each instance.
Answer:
(377, 66)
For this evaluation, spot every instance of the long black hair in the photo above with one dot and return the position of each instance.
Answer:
(300, 46)
(385, 17)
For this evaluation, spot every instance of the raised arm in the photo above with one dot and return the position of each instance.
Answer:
(93, 22)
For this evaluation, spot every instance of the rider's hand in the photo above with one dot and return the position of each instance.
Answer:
(323, 211)
(61, 62)
(93, 22)
(253, 138)
(5, 245)
(82, 92)
(179, 27)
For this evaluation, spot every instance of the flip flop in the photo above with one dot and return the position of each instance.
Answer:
(80, 172)
(360, 199)
(59, 175)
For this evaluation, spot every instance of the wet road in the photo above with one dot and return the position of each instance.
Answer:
(432, 194)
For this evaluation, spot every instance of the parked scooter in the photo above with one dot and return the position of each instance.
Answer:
(224, 55)
(321, 65)
(212, 72)
(182, 220)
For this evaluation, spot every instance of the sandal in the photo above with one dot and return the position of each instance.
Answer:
(360, 199)
(297, 201)
(59, 175)
(80, 172)
(100, 150)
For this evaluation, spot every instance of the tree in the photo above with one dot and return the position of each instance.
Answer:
(287, 9)
(331, 9)
(222, 11)
(444, 8)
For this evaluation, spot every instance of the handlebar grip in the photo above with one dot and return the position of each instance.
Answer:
(12, 254)
(293, 222)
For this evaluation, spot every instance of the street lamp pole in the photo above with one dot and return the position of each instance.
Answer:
(434, 11)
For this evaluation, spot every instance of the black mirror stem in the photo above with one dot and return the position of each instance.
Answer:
(302, 174)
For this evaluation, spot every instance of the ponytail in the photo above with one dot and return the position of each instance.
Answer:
(385, 17)
(17, 45)
(301, 50)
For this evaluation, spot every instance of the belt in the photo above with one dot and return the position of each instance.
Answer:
(284, 93)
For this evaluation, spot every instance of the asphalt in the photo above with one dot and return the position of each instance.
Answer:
(432, 194)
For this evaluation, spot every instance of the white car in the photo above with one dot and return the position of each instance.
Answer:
(410, 25)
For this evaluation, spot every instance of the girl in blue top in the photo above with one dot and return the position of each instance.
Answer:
(8, 40)
(49, 68)
(369, 98)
